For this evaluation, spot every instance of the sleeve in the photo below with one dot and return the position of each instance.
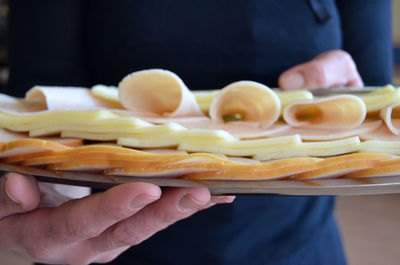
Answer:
(367, 36)
(45, 44)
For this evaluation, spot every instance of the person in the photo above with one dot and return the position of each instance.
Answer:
(209, 44)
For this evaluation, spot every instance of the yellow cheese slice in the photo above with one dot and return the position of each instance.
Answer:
(381, 98)
(318, 149)
(240, 147)
(377, 146)
(106, 92)
(287, 97)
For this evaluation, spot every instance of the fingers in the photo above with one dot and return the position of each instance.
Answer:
(88, 217)
(18, 193)
(330, 69)
(174, 205)
(48, 230)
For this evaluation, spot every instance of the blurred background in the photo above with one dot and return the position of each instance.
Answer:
(370, 225)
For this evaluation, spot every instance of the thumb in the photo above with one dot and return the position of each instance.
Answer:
(329, 69)
(18, 194)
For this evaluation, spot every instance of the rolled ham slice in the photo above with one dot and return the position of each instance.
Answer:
(391, 116)
(338, 112)
(67, 98)
(157, 93)
(255, 103)
(316, 134)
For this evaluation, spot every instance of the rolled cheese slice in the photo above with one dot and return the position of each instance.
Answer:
(337, 112)
(391, 116)
(253, 102)
(157, 92)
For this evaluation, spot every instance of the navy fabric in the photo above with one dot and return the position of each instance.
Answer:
(209, 44)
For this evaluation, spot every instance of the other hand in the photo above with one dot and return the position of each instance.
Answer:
(330, 69)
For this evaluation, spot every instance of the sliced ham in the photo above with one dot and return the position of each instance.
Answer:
(256, 104)
(159, 93)
(67, 98)
(16, 105)
(380, 133)
(317, 134)
(391, 116)
(340, 112)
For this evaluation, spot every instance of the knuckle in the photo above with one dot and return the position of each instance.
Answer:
(167, 218)
(319, 75)
(124, 236)
(115, 212)
(77, 227)
(80, 229)
(39, 252)
(54, 233)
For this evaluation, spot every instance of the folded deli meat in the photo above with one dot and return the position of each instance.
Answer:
(152, 125)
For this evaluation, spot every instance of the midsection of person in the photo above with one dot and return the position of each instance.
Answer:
(210, 44)
(207, 43)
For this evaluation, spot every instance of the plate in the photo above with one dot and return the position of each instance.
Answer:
(375, 185)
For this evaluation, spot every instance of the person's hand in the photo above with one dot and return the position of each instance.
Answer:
(330, 69)
(96, 228)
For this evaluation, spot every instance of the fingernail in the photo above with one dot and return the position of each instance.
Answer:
(8, 192)
(188, 203)
(141, 201)
(293, 81)
(223, 199)
(229, 199)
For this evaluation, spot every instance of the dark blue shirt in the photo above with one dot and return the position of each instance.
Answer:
(208, 44)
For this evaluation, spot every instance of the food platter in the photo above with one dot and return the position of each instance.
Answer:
(243, 139)
(340, 186)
